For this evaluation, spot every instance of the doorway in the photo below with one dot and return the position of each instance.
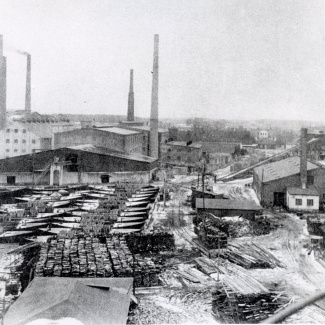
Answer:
(11, 180)
(279, 199)
(56, 177)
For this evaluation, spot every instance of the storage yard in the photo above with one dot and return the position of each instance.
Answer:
(246, 271)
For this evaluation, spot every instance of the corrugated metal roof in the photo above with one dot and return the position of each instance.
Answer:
(302, 191)
(281, 169)
(223, 204)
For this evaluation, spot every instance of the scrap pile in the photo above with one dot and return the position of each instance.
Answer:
(236, 308)
(173, 307)
(85, 256)
(250, 256)
(150, 242)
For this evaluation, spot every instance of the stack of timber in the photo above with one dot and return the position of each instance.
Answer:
(87, 256)
(251, 256)
(150, 242)
(253, 308)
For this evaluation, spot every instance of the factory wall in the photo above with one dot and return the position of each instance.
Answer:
(118, 142)
(187, 155)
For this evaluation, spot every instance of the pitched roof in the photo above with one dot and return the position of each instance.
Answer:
(302, 191)
(109, 152)
(224, 204)
(99, 301)
(281, 169)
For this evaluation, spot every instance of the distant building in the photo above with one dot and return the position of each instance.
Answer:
(263, 134)
(181, 153)
(114, 138)
(25, 134)
(221, 153)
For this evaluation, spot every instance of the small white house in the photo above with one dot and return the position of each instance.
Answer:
(302, 199)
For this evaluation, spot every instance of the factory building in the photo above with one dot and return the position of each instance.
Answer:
(84, 164)
(181, 153)
(114, 138)
(293, 182)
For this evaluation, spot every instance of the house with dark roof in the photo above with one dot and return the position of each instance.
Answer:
(271, 181)
(100, 301)
(81, 164)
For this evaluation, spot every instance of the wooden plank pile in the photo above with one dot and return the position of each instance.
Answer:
(253, 308)
(86, 256)
(250, 256)
(150, 242)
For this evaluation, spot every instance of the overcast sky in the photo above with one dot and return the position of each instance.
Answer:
(219, 58)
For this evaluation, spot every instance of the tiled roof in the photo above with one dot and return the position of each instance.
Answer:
(302, 191)
(281, 169)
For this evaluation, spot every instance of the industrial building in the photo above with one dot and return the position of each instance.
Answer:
(118, 139)
(294, 179)
(181, 153)
(82, 164)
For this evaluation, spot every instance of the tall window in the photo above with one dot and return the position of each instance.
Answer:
(298, 201)
(33, 141)
(16, 140)
(24, 130)
(16, 130)
(7, 141)
(8, 130)
(310, 202)
(310, 180)
(24, 140)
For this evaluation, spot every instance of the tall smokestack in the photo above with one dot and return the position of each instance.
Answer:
(3, 86)
(303, 158)
(28, 85)
(153, 143)
(130, 116)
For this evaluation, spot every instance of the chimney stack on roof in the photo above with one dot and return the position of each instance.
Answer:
(153, 141)
(3, 86)
(130, 116)
(303, 158)
(28, 85)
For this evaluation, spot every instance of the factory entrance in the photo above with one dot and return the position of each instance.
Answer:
(56, 177)
(279, 199)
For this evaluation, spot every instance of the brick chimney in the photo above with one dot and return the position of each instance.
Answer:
(28, 85)
(153, 141)
(130, 116)
(3, 86)
(303, 158)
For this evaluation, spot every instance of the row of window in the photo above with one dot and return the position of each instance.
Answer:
(23, 141)
(310, 202)
(15, 130)
(16, 150)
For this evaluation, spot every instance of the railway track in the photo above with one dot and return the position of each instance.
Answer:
(183, 232)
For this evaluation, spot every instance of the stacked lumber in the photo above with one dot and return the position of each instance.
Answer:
(252, 308)
(150, 242)
(86, 256)
(251, 256)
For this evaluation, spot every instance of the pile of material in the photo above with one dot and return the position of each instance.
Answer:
(250, 256)
(239, 228)
(173, 307)
(314, 224)
(212, 237)
(150, 242)
(235, 308)
(96, 222)
(85, 256)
